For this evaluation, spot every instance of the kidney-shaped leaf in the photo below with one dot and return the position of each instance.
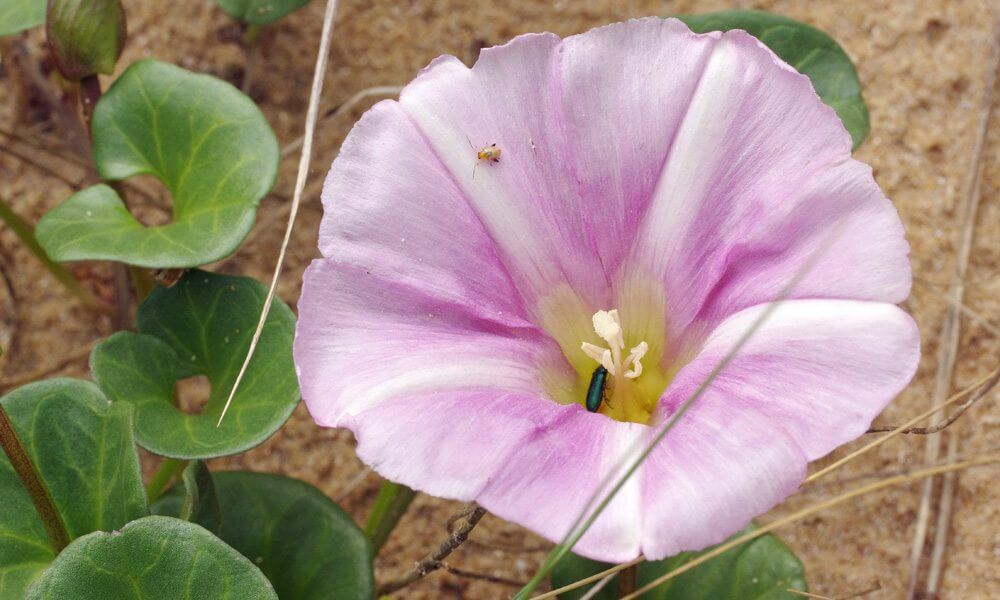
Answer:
(82, 447)
(303, 542)
(207, 142)
(260, 12)
(761, 569)
(202, 325)
(154, 558)
(807, 49)
(17, 15)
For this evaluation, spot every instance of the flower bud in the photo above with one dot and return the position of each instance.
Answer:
(86, 36)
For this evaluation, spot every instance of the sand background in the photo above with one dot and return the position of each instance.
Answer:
(924, 66)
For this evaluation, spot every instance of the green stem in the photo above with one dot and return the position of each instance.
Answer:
(32, 481)
(390, 506)
(26, 234)
(251, 34)
(162, 477)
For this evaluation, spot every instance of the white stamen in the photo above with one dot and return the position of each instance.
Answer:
(608, 326)
(634, 358)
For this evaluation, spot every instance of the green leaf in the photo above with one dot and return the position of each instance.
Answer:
(807, 49)
(209, 145)
(202, 325)
(82, 447)
(305, 544)
(201, 501)
(18, 15)
(155, 558)
(761, 569)
(260, 12)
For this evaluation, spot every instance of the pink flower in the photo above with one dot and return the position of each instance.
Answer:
(456, 318)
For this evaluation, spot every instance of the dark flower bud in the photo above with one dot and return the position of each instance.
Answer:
(86, 36)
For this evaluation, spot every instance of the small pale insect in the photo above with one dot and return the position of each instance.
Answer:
(489, 153)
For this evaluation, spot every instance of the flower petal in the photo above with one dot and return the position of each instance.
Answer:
(810, 379)
(758, 176)
(362, 336)
(410, 223)
(527, 200)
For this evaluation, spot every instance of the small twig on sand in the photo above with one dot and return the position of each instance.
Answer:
(480, 576)
(871, 590)
(465, 521)
(950, 341)
(378, 90)
(982, 392)
(47, 369)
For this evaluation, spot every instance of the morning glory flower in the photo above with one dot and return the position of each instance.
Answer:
(653, 191)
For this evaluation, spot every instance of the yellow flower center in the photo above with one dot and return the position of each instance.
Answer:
(628, 341)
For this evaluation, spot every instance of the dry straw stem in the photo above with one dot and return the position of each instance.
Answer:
(628, 466)
(480, 576)
(987, 381)
(871, 590)
(987, 387)
(765, 529)
(979, 319)
(984, 386)
(378, 90)
(465, 521)
(48, 368)
(947, 356)
(300, 182)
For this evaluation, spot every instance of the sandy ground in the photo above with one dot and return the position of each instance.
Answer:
(924, 65)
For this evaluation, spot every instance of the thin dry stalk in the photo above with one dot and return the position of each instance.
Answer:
(765, 529)
(867, 489)
(480, 576)
(871, 590)
(300, 182)
(899, 430)
(378, 90)
(950, 338)
(47, 369)
(465, 521)
(981, 393)
(979, 319)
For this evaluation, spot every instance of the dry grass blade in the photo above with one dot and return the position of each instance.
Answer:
(979, 319)
(950, 340)
(378, 90)
(300, 182)
(871, 590)
(900, 429)
(627, 465)
(48, 368)
(597, 588)
(765, 529)
(991, 382)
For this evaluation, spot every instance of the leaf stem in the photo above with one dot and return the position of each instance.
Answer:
(251, 34)
(390, 506)
(162, 477)
(32, 481)
(26, 234)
